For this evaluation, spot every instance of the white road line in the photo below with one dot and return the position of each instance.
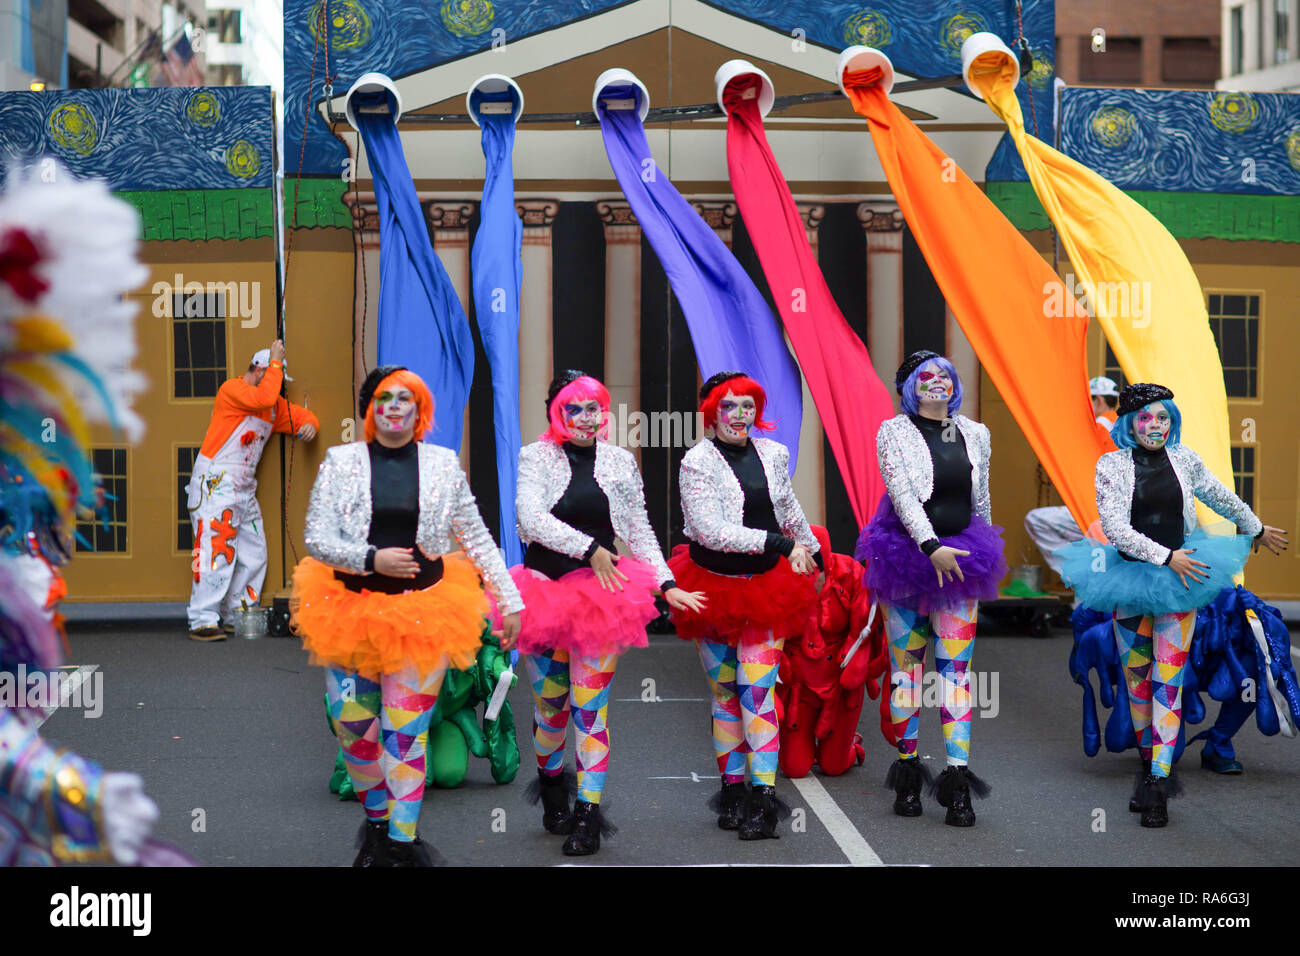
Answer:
(836, 822)
(1295, 652)
(67, 687)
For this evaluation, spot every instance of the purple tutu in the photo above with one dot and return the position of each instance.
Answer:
(901, 574)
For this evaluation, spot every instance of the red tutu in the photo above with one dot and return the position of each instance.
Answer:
(780, 600)
(576, 614)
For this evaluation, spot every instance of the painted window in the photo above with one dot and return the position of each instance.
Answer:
(1234, 319)
(1121, 63)
(1243, 473)
(106, 534)
(198, 344)
(185, 455)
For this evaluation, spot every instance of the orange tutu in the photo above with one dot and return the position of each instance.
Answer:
(375, 633)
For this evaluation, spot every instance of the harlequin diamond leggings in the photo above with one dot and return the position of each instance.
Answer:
(909, 635)
(562, 685)
(1153, 653)
(742, 680)
(383, 727)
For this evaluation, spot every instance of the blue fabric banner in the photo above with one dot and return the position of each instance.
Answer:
(421, 322)
(497, 269)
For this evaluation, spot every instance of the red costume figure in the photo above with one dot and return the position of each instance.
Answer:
(821, 698)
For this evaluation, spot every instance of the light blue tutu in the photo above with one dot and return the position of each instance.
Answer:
(1105, 581)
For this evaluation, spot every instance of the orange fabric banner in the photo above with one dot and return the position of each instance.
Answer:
(999, 289)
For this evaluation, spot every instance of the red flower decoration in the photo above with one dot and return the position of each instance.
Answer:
(18, 256)
(248, 438)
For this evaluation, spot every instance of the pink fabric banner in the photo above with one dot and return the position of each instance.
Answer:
(850, 398)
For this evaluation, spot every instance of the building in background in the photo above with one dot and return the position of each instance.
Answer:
(244, 43)
(1172, 43)
(1261, 40)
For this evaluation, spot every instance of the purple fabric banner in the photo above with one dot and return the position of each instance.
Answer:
(731, 325)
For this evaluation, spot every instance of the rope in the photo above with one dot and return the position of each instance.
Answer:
(1023, 42)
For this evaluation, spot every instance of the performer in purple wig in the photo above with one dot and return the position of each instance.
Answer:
(932, 556)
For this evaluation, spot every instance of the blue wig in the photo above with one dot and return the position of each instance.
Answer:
(1121, 433)
(908, 397)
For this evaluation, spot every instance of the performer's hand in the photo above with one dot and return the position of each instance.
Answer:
(277, 350)
(607, 572)
(1273, 538)
(509, 632)
(307, 432)
(396, 562)
(801, 560)
(945, 564)
(1184, 565)
(680, 600)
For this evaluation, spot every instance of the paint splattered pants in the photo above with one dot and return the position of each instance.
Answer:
(1153, 653)
(909, 635)
(383, 727)
(566, 685)
(745, 726)
(229, 552)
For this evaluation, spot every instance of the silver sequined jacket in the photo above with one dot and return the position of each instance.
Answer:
(713, 503)
(1115, 480)
(544, 476)
(338, 516)
(908, 470)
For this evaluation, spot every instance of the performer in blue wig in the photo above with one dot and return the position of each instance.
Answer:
(1158, 569)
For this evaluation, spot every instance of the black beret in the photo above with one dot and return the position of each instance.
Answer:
(716, 379)
(371, 383)
(567, 377)
(1139, 395)
(910, 365)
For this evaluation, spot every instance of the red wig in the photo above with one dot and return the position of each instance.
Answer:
(423, 402)
(740, 385)
(582, 389)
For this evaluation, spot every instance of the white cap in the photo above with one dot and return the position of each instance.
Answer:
(1103, 386)
(262, 359)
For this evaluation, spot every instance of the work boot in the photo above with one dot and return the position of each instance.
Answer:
(906, 778)
(553, 792)
(762, 810)
(588, 827)
(953, 790)
(372, 840)
(729, 805)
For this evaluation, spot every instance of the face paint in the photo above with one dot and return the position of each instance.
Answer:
(1151, 426)
(736, 414)
(395, 411)
(933, 384)
(584, 419)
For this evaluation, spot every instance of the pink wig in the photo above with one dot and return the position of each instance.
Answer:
(583, 389)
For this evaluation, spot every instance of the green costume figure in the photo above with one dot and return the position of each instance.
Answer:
(454, 731)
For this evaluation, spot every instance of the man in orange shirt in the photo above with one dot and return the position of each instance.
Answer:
(229, 540)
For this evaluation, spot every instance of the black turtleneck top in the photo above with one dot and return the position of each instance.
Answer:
(394, 518)
(1157, 510)
(949, 507)
(583, 506)
(758, 513)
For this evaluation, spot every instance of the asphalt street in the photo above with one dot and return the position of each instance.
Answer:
(232, 742)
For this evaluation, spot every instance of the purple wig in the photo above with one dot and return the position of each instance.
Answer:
(908, 396)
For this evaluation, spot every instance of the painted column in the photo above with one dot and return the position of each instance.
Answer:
(449, 224)
(622, 311)
(884, 228)
(810, 479)
(536, 342)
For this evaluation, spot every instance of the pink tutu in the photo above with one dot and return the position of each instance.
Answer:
(576, 614)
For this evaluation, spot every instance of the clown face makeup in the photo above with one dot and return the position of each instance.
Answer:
(395, 412)
(736, 414)
(583, 420)
(934, 385)
(1151, 426)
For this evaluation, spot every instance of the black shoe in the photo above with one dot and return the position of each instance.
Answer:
(553, 791)
(1154, 796)
(762, 810)
(414, 853)
(953, 790)
(1135, 801)
(372, 841)
(906, 778)
(729, 805)
(588, 827)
